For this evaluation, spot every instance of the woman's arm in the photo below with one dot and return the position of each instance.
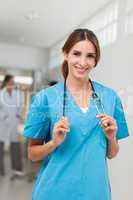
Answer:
(113, 148)
(109, 126)
(37, 150)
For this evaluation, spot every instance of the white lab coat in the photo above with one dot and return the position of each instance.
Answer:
(10, 108)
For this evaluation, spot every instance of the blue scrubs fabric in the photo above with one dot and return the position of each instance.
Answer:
(77, 169)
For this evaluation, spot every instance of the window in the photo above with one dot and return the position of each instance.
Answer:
(129, 17)
(104, 24)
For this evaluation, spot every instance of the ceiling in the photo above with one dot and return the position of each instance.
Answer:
(42, 23)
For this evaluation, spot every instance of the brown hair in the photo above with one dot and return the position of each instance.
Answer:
(7, 78)
(77, 36)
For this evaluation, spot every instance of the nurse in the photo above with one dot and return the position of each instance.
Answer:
(10, 109)
(74, 126)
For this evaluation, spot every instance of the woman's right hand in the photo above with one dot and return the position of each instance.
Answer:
(60, 130)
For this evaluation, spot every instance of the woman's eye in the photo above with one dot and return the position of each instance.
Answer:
(91, 56)
(76, 53)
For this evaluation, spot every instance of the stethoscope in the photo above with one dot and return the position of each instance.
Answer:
(96, 99)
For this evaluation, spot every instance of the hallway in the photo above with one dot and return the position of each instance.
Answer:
(18, 189)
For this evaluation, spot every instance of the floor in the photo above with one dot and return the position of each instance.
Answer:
(14, 190)
(18, 189)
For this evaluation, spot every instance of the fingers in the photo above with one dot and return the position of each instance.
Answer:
(106, 120)
(110, 128)
(63, 122)
(62, 125)
(62, 130)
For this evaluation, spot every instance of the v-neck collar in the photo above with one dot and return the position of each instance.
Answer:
(75, 104)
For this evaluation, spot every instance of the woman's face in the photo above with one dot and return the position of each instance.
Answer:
(10, 84)
(81, 59)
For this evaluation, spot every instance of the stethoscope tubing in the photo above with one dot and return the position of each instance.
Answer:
(95, 97)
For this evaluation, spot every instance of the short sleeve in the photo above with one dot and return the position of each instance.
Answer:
(119, 116)
(38, 122)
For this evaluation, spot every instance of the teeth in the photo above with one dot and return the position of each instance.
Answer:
(81, 69)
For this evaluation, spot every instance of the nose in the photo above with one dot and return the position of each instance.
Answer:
(83, 62)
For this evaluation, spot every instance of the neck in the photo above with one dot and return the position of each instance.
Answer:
(77, 84)
(9, 91)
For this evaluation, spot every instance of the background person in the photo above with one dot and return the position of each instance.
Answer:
(10, 109)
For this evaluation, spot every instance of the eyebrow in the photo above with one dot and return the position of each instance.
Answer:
(92, 53)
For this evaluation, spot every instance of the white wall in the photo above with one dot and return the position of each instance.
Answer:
(12, 55)
(21, 57)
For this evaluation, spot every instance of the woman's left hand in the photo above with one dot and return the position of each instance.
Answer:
(109, 126)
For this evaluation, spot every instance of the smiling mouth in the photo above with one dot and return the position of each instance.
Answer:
(81, 69)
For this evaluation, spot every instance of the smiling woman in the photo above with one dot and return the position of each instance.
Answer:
(89, 51)
(75, 125)
(81, 58)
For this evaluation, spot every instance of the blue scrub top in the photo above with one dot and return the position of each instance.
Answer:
(77, 169)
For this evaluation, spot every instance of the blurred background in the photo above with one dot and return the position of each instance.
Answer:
(32, 34)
